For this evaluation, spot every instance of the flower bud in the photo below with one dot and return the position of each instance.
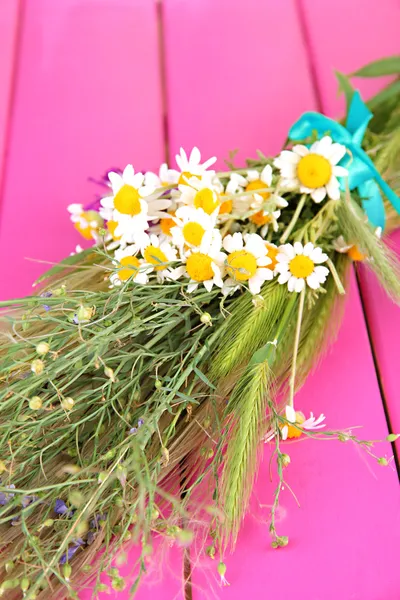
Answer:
(9, 565)
(67, 403)
(37, 366)
(49, 523)
(82, 528)
(102, 587)
(382, 461)
(158, 384)
(25, 583)
(42, 348)
(118, 584)
(35, 403)
(206, 319)
(76, 498)
(109, 373)
(392, 437)
(85, 313)
(221, 569)
(210, 551)
(67, 570)
(285, 460)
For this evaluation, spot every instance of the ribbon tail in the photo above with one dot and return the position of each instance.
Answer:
(372, 203)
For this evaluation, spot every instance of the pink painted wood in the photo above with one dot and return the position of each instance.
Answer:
(384, 322)
(232, 81)
(9, 10)
(343, 538)
(343, 36)
(87, 98)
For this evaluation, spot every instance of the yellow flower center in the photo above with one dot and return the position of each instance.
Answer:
(355, 254)
(272, 254)
(226, 206)
(295, 432)
(155, 256)
(166, 224)
(187, 175)
(242, 265)
(131, 264)
(90, 217)
(257, 184)
(199, 268)
(314, 171)
(207, 200)
(301, 266)
(259, 218)
(193, 233)
(111, 226)
(86, 232)
(127, 201)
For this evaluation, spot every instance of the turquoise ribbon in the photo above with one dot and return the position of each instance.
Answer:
(363, 174)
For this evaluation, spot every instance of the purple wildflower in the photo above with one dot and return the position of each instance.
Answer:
(6, 497)
(94, 523)
(71, 551)
(60, 508)
(140, 422)
(134, 430)
(46, 295)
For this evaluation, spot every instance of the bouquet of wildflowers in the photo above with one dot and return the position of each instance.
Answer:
(166, 354)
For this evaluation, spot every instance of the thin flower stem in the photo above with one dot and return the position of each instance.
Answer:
(296, 346)
(336, 277)
(294, 219)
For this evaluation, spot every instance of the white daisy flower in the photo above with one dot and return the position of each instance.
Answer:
(130, 208)
(300, 423)
(129, 266)
(246, 261)
(87, 222)
(265, 204)
(299, 265)
(166, 177)
(191, 225)
(192, 167)
(200, 193)
(205, 264)
(158, 254)
(313, 170)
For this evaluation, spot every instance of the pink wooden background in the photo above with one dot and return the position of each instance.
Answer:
(91, 84)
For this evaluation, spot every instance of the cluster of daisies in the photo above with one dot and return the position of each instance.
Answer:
(214, 229)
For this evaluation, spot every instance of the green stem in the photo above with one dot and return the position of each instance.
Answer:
(294, 219)
(296, 346)
(336, 277)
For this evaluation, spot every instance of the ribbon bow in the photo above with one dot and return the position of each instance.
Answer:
(363, 174)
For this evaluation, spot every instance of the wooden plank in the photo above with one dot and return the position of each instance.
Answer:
(87, 99)
(369, 31)
(344, 36)
(9, 12)
(231, 81)
(384, 323)
(343, 538)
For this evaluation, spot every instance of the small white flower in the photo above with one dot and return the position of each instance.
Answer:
(298, 265)
(166, 177)
(313, 170)
(192, 166)
(132, 204)
(192, 224)
(87, 222)
(158, 254)
(200, 193)
(299, 423)
(246, 261)
(129, 266)
(205, 264)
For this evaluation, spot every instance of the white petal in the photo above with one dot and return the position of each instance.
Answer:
(284, 277)
(318, 194)
(129, 175)
(300, 150)
(192, 286)
(266, 175)
(208, 284)
(292, 283)
(288, 250)
(332, 188)
(252, 175)
(313, 281)
(285, 431)
(255, 283)
(298, 247)
(339, 171)
(233, 242)
(336, 153)
(290, 413)
(299, 285)
(308, 248)
(322, 273)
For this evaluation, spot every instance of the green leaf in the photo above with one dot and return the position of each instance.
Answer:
(67, 262)
(204, 378)
(345, 86)
(387, 93)
(379, 68)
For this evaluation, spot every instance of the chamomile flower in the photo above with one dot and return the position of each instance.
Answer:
(228, 202)
(192, 167)
(159, 253)
(353, 252)
(200, 193)
(130, 267)
(313, 170)
(299, 265)
(297, 423)
(130, 208)
(247, 257)
(205, 264)
(191, 225)
(87, 222)
(272, 253)
(166, 177)
(264, 204)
